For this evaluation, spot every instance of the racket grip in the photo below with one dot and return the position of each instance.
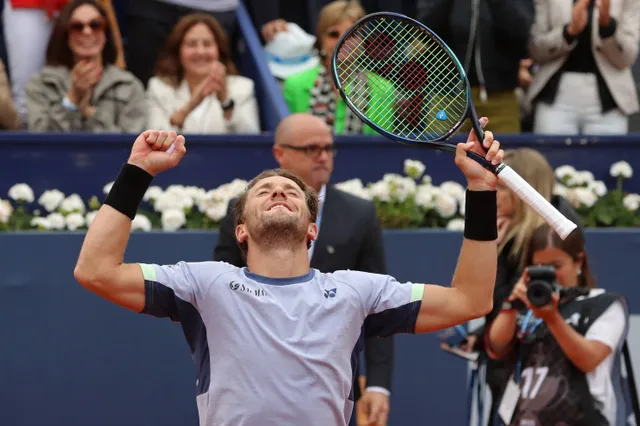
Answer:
(537, 202)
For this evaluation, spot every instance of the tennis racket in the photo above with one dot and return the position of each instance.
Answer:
(402, 80)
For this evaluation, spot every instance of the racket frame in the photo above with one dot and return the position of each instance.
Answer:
(470, 111)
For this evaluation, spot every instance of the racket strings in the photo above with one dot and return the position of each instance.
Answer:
(399, 77)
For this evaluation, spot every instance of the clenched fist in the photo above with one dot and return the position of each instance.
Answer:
(155, 151)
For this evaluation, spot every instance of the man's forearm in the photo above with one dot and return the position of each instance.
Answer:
(476, 271)
(106, 240)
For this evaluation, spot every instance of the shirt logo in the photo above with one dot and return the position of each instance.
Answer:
(237, 287)
(330, 293)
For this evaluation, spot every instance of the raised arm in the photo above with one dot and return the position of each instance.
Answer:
(471, 293)
(100, 266)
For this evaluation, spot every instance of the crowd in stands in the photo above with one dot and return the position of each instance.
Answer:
(547, 66)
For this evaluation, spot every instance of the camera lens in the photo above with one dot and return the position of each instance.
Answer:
(539, 293)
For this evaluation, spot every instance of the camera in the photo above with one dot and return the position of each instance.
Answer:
(542, 284)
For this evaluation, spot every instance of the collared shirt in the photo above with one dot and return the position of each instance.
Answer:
(321, 197)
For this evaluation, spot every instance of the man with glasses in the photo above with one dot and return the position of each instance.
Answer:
(349, 238)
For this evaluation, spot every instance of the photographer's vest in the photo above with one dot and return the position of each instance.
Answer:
(553, 391)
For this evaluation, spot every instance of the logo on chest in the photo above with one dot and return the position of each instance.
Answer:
(330, 293)
(241, 288)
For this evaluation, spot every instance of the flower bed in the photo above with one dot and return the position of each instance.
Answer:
(410, 201)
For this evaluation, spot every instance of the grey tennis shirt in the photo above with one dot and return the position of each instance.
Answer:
(277, 352)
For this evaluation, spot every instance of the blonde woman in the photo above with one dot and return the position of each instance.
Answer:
(312, 91)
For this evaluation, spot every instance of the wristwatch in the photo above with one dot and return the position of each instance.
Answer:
(227, 105)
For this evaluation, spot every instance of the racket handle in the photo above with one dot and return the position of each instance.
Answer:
(537, 202)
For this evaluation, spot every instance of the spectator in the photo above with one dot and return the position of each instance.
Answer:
(81, 88)
(9, 117)
(349, 238)
(490, 37)
(27, 26)
(313, 90)
(272, 17)
(149, 22)
(584, 84)
(196, 88)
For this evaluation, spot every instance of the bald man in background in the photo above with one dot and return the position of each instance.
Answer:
(349, 238)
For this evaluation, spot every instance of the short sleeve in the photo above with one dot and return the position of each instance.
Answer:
(170, 290)
(392, 306)
(609, 327)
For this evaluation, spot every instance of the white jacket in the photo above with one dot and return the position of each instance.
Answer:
(614, 56)
(207, 117)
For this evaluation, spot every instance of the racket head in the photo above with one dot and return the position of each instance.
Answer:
(401, 79)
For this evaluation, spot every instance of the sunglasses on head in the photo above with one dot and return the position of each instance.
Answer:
(94, 25)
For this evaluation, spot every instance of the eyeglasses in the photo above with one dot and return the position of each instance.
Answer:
(94, 25)
(313, 150)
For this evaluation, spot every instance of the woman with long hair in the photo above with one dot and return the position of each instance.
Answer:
(196, 87)
(566, 346)
(81, 88)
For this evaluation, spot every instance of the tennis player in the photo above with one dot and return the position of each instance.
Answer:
(276, 343)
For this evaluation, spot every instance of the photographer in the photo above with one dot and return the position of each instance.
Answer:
(565, 338)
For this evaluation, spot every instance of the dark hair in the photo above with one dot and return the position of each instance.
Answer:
(310, 197)
(573, 245)
(168, 65)
(58, 51)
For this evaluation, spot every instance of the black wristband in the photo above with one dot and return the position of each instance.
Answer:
(128, 189)
(481, 216)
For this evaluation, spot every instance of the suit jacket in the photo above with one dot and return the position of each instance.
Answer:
(614, 55)
(350, 238)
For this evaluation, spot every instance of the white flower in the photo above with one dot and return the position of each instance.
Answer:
(582, 178)
(216, 211)
(598, 187)
(51, 199)
(380, 191)
(582, 197)
(21, 192)
(152, 194)
(174, 198)
(454, 189)
(354, 187)
(631, 202)
(560, 190)
(425, 196)
(400, 187)
(56, 221)
(6, 209)
(73, 203)
(89, 218)
(446, 205)
(456, 225)
(426, 180)
(173, 219)
(565, 172)
(141, 223)
(75, 221)
(413, 168)
(41, 223)
(196, 194)
(621, 169)
(107, 188)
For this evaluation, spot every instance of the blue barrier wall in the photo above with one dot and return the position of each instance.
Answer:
(84, 163)
(69, 358)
